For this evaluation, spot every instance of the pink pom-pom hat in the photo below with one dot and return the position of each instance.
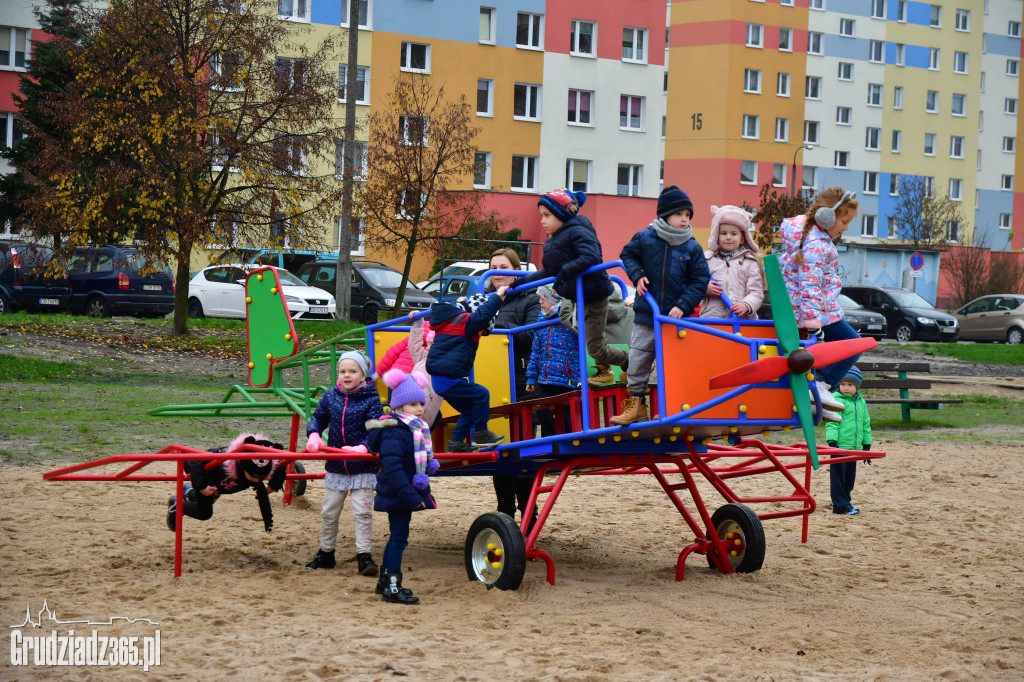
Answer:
(405, 388)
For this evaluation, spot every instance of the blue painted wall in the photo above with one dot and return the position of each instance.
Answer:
(884, 267)
(1002, 44)
(440, 19)
(991, 203)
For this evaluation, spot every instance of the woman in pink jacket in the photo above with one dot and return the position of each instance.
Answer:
(735, 270)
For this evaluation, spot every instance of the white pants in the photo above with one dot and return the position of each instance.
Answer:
(362, 512)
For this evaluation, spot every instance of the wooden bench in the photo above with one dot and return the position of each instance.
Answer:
(904, 384)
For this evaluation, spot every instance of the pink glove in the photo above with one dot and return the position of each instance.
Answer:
(314, 443)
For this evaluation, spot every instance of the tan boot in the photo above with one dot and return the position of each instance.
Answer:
(604, 377)
(633, 410)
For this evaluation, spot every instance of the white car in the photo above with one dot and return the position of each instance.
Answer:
(219, 291)
(468, 268)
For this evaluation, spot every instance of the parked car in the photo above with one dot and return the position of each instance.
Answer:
(118, 280)
(450, 288)
(468, 268)
(30, 279)
(908, 316)
(863, 321)
(374, 287)
(219, 291)
(999, 317)
(291, 260)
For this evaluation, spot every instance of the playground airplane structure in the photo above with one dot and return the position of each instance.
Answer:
(720, 383)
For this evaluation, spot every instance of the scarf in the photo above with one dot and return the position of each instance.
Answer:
(422, 449)
(360, 386)
(673, 235)
(732, 254)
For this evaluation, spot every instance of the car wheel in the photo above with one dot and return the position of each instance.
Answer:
(904, 333)
(1014, 336)
(370, 314)
(6, 305)
(97, 307)
(195, 309)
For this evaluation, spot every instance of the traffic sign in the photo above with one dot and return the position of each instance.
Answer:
(917, 260)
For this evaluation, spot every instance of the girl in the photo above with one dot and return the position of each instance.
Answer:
(403, 480)
(345, 408)
(554, 363)
(421, 338)
(732, 258)
(810, 266)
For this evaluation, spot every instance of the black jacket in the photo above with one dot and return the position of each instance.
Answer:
(569, 252)
(227, 476)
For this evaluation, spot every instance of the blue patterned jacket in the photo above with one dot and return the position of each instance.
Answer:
(555, 358)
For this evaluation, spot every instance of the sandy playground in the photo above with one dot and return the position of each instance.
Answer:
(926, 584)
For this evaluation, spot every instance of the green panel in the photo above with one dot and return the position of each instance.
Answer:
(271, 332)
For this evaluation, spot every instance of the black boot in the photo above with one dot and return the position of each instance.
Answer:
(382, 580)
(394, 593)
(172, 518)
(322, 560)
(366, 565)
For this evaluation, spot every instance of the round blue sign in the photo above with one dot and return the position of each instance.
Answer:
(917, 261)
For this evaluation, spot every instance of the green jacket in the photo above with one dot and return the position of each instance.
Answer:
(854, 432)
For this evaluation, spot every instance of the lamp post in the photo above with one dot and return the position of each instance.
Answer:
(792, 189)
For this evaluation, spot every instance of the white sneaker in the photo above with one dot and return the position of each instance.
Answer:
(828, 401)
(830, 416)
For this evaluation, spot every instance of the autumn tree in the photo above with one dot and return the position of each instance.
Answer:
(924, 218)
(478, 239)
(190, 123)
(774, 207)
(967, 270)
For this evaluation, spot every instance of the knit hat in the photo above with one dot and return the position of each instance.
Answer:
(564, 203)
(359, 358)
(854, 376)
(471, 303)
(548, 294)
(672, 200)
(731, 215)
(405, 388)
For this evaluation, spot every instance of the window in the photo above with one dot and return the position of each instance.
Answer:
(843, 116)
(782, 85)
(778, 175)
(931, 102)
(929, 186)
(524, 173)
(414, 129)
(363, 7)
(870, 182)
(296, 10)
(755, 33)
(878, 9)
(959, 62)
(901, 10)
(752, 81)
(868, 225)
(530, 31)
(634, 44)
(963, 20)
(1012, 67)
(786, 3)
(846, 27)
(929, 144)
(488, 25)
(875, 51)
(1005, 221)
(630, 179)
(811, 132)
(484, 97)
(782, 130)
(1013, 29)
(815, 4)
(1006, 182)
(813, 86)
(526, 102)
(874, 95)
(901, 54)
(897, 141)
(580, 102)
(894, 188)
(873, 139)
(11, 130)
(289, 156)
(15, 44)
(356, 245)
(956, 186)
(845, 71)
(959, 104)
(814, 43)
(631, 112)
(358, 159)
(577, 175)
(809, 178)
(933, 58)
(1010, 105)
(291, 74)
(409, 205)
(415, 57)
(953, 231)
(751, 126)
(785, 39)
(581, 39)
(1009, 145)
(664, 125)
(936, 17)
(227, 69)
(897, 97)
(893, 226)
(482, 170)
(748, 172)
(362, 83)
(842, 159)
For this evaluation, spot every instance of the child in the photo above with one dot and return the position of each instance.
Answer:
(665, 261)
(732, 259)
(421, 337)
(572, 247)
(345, 408)
(554, 366)
(398, 356)
(853, 433)
(403, 480)
(457, 329)
(229, 477)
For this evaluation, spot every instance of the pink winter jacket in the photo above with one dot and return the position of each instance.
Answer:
(396, 357)
(418, 354)
(740, 279)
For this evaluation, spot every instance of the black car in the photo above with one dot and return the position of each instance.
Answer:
(909, 316)
(31, 279)
(374, 288)
(863, 321)
(118, 280)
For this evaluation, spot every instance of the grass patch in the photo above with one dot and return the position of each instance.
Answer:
(985, 353)
(974, 412)
(19, 369)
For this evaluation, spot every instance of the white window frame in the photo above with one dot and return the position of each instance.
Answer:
(751, 177)
(489, 111)
(340, 157)
(778, 175)
(576, 27)
(782, 84)
(786, 3)
(492, 24)
(844, 115)
(963, 20)
(570, 174)
(901, 11)
(360, 243)
(956, 147)
(217, 70)
(869, 226)
(590, 109)
(1005, 221)
(962, 99)
(530, 171)
(934, 58)
(816, 4)
(953, 228)
(290, 63)
(344, 14)
(812, 172)
(870, 182)
(643, 113)
(782, 130)
(1013, 68)
(486, 170)
(785, 39)
(1009, 144)
(874, 95)
(26, 56)
(405, 130)
(956, 189)
(897, 97)
(1010, 106)
(901, 54)
(294, 10)
(844, 71)
(816, 82)
(873, 139)
(400, 210)
(929, 144)
(755, 35)
(290, 144)
(812, 126)
(931, 102)
(959, 62)
(533, 99)
(815, 43)
(534, 32)
(751, 127)
(1006, 182)
(897, 142)
(752, 81)
(366, 84)
(878, 9)
(10, 139)
(841, 160)
(635, 179)
(407, 48)
(935, 17)
(846, 27)
(876, 51)
(640, 35)
(1013, 29)
(894, 187)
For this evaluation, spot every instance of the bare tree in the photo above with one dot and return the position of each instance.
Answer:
(1006, 274)
(773, 208)
(924, 218)
(967, 270)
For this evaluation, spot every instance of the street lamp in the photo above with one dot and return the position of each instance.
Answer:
(792, 189)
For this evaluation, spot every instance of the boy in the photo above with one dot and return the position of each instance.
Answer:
(457, 330)
(852, 433)
(665, 261)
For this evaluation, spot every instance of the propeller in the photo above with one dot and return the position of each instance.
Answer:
(792, 358)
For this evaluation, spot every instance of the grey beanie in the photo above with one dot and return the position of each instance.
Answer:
(359, 358)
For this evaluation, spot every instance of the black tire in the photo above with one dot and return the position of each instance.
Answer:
(299, 487)
(369, 314)
(97, 306)
(904, 332)
(1014, 336)
(496, 536)
(731, 520)
(6, 305)
(195, 309)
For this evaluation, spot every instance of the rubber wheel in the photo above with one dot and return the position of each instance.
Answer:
(97, 307)
(739, 528)
(1014, 336)
(904, 333)
(6, 306)
(299, 487)
(496, 552)
(370, 314)
(195, 309)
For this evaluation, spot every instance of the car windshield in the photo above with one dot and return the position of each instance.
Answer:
(908, 299)
(386, 279)
(139, 263)
(289, 279)
(848, 303)
(456, 270)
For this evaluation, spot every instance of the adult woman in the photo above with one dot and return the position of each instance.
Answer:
(810, 266)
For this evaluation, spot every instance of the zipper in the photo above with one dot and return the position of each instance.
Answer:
(664, 269)
(344, 409)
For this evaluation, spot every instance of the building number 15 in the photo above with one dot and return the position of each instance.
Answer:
(696, 121)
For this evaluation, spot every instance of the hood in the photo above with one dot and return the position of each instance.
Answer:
(731, 215)
(930, 312)
(443, 312)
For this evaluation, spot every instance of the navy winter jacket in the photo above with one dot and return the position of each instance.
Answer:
(347, 414)
(677, 276)
(392, 440)
(457, 337)
(567, 253)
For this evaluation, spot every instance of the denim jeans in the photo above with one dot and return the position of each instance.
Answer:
(473, 403)
(398, 520)
(833, 374)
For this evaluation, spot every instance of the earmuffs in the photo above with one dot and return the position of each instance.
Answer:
(825, 217)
